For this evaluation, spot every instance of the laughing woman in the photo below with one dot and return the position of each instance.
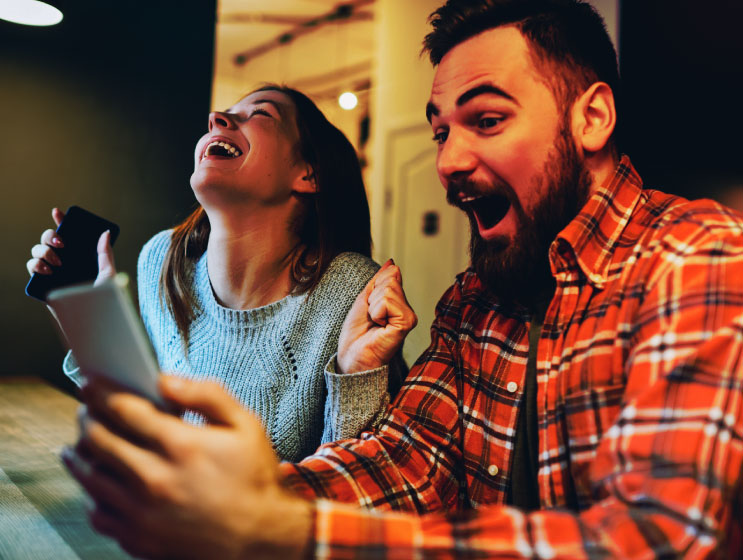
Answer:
(252, 289)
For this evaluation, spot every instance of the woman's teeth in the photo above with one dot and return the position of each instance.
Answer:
(219, 148)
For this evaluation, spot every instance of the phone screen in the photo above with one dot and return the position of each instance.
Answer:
(80, 231)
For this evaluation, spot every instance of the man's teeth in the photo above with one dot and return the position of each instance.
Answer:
(464, 198)
(221, 149)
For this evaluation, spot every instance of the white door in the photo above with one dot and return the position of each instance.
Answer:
(427, 238)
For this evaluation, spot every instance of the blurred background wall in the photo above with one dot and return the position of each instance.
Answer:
(103, 111)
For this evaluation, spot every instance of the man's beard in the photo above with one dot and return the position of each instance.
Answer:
(518, 270)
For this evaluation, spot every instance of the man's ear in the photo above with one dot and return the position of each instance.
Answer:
(594, 117)
(305, 181)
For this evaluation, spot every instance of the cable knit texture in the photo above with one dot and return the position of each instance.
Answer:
(271, 358)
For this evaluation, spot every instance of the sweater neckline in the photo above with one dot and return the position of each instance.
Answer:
(239, 318)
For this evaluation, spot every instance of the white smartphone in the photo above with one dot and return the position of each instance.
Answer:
(106, 335)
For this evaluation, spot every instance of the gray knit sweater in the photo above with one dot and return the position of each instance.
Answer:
(271, 358)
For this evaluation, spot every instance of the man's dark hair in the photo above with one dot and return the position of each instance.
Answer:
(568, 39)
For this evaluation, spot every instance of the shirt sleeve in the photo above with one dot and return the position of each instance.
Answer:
(666, 479)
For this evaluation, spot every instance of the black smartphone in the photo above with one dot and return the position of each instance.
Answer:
(80, 231)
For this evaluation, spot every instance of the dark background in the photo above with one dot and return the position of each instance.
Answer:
(682, 67)
(102, 111)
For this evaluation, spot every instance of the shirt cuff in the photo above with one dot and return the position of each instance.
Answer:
(346, 531)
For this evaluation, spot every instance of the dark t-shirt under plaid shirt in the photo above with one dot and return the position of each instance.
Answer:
(639, 404)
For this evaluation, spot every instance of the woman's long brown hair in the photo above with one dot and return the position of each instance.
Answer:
(335, 219)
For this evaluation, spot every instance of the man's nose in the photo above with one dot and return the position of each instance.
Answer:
(221, 120)
(456, 157)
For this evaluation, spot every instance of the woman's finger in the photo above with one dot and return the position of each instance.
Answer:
(393, 311)
(37, 265)
(106, 266)
(57, 215)
(392, 291)
(47, 254)
(51, 238)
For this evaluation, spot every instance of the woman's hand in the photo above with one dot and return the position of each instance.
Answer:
(44, 257)
(166, 489)
(377, 324)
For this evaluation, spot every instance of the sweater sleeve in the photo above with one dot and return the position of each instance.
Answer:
(354, 400)
(149, 265)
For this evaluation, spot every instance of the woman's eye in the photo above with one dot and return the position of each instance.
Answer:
(440, 137)
(260, 112)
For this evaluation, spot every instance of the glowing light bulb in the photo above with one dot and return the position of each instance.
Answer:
(347, 100)
(30, 12)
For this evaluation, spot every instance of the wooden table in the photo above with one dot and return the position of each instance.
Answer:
(42, 512)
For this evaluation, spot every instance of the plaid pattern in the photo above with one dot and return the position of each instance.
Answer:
(640, 404)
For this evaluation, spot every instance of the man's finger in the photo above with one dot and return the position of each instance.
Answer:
(100, 486)
(133, 416)
(205, 397)
(114, 452)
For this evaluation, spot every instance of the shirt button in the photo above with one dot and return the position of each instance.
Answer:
(492, 470)
(512, 386)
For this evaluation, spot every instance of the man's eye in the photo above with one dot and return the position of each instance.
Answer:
(488, 122)
(440, 137)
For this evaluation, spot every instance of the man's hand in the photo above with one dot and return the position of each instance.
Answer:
(163, 488)
(377, 324)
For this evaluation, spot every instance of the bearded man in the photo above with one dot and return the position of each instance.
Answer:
(582, 394)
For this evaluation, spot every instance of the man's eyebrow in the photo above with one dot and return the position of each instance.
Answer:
(483, 90)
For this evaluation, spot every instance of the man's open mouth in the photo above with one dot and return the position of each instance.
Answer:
(220, 148)
(489, 210)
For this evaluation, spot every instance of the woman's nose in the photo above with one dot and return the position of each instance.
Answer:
(222, 120)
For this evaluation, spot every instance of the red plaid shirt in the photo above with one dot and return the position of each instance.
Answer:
(639, 397)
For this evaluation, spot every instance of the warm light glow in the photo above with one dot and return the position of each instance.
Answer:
(29, 12)
(347, 100)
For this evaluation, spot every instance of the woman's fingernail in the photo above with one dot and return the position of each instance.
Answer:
(57, 242)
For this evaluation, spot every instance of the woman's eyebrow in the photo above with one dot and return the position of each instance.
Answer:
(276, 105)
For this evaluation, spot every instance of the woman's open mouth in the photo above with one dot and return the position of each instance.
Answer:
(221, 149)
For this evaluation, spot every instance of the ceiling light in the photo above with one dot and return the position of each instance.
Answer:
(29, 12)
(347, 100)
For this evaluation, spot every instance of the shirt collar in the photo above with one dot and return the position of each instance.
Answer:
(593, 234)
